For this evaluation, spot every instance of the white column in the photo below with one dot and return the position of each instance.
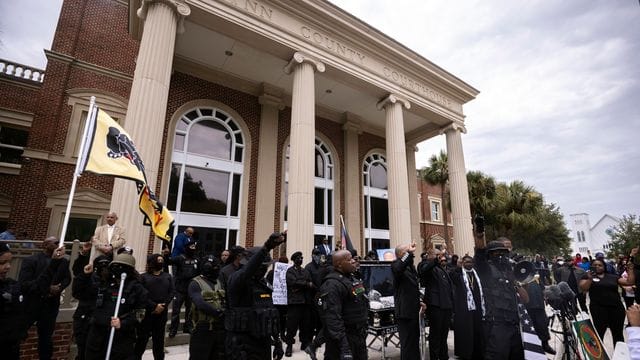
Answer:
(413, 197)
(301, 153)
(398, 184)
(353, 182)
(271, 102)
(459, 191)
(146, 111)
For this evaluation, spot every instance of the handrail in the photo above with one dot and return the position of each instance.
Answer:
(20, 71)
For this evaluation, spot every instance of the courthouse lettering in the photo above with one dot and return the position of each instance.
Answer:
(413, 85)
(332, 45)
(253, 7)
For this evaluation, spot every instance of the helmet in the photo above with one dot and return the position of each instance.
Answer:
(210, 267)
(124, 259)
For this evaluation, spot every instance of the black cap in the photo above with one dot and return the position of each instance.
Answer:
(496, 245)
(296, 254)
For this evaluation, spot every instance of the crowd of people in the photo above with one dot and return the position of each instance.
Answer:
(229, 301)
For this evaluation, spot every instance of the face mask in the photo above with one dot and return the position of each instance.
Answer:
(158, 266)
(317, 259)
(298, 261)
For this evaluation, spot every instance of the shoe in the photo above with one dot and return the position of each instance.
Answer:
(311, 351)
(289, 350)
(172, 333)
(547, 348)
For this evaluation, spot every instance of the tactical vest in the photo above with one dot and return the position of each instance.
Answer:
(500, 297)
(261, 319)
(355, 309)
(212, 296)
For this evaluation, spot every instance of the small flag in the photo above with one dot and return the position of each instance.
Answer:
(344, 238)
(530, 340)
(110, 150)
(156, 215)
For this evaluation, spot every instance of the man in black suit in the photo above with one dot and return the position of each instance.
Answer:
(469, 309)
(43, 276)
(407, 301)
(439, 299)
(325, 247)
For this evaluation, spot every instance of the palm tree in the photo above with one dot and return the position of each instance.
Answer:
(482, 194)
(519, 206)
(437, 173)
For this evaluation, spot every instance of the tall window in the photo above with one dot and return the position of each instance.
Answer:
(323, 213)
(13, 139)
(376, 205)
(206, 177)
(435, 211)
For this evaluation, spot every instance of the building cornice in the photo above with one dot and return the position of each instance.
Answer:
(51, 55)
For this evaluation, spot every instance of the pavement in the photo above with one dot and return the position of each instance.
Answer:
(181, 352)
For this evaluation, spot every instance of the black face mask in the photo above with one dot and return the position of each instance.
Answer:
(157, 266)
(297, 261)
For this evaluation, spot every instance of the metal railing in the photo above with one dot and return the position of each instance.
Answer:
(20, 71)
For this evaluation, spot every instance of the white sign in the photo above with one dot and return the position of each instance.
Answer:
(279, 295)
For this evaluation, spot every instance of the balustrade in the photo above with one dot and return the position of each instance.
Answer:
(20, 71)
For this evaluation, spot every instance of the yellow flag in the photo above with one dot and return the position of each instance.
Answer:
(156, 215)
(111, 150)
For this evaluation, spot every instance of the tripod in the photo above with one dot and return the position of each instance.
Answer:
(571, 348)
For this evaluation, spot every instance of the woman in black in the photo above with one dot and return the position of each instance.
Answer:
(606, 306)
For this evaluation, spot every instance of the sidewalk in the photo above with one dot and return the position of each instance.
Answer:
(181, 352)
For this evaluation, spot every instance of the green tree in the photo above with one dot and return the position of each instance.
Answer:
(625, 236)
(437, 173)
(482, 195)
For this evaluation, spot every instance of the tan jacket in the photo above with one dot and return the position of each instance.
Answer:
(101, 237)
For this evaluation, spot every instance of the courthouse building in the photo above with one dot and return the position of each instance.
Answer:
(250, 116)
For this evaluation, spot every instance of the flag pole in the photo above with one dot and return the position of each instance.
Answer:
(343, 238)
(79, 167)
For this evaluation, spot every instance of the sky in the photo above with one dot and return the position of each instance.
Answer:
(559, 82)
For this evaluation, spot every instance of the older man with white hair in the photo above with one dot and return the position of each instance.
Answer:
(108, 238)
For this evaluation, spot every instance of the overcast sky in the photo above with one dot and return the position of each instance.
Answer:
(559, 106)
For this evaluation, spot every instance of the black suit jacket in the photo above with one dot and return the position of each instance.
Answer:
(37, 273)
(438, 286)
(407, 293)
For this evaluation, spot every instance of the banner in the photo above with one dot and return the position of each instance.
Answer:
(155, 214)
(279, 294)
(111, 151)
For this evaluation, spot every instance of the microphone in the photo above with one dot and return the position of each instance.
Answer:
(554, 296)
(565, 290)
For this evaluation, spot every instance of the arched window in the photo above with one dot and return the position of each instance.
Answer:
(376, 205)
(323, 214)
(206, 177)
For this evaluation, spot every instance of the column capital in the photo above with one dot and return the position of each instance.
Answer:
(351, 122)
(392, 99)
(299, 58)
(454, 127)
(181, 8)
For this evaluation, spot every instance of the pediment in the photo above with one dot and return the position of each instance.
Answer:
(82, 197)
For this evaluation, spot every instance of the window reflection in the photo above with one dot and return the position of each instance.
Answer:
(210, 138)
(205, 191)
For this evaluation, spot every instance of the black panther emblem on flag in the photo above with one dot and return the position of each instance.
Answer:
(120, 145)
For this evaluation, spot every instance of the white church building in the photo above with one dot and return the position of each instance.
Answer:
(595, 238)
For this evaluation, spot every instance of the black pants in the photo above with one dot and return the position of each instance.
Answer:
(207, 344)
(409, 332)
(178, 300)
(152, 326)
(242, 346)
(582, 299)
(121, 349)
(357, 344)
(540, 323)
(439, 324)
(282, 312)
(44, 315)
(504, 341)
(80, 333)
(299, 317)
(611, 317)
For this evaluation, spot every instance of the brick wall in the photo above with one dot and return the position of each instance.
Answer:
(427, 230)
(61, 342)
